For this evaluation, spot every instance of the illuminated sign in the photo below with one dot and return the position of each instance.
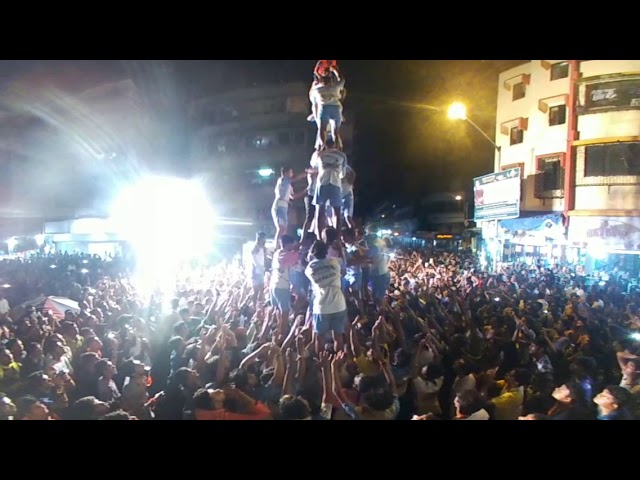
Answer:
(497, 195)
(444, 237)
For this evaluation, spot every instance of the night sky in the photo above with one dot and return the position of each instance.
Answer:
(401, 153)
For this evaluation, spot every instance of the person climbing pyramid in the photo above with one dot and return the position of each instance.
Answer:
(326, 95)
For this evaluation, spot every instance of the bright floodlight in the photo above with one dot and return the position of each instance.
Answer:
(265, 172)
(458, 197)
(167, 221)
(11, 244)
(457, 111)
(39, 239)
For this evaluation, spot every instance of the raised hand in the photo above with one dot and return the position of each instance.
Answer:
(291, 356)
(325, 360)
(300, 344)
(339, 360)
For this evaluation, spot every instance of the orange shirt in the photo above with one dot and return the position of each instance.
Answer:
(259, 412)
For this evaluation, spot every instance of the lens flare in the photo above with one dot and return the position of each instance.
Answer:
(167, 221)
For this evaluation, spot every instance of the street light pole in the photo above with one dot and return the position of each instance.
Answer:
(495, 145)
(458, 111)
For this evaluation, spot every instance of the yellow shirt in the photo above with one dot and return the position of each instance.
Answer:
(366, 366)
(370, 368)
(509, 404)
(13, 369)
(75, 344)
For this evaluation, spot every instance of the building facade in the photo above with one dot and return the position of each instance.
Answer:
(239, 140)
(573, 128)
(444, 212)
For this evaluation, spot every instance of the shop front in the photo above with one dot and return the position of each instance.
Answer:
(93, 236)
(607, 242)
(532, 239)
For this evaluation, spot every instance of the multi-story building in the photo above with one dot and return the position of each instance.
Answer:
(573, 128)
(240, 139)
(444, 212)
(445, 217)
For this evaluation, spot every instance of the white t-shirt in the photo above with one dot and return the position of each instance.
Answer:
(4, 306)
(326, 283)
(326, 94)
(313, 177)
(284, 192)
(352, 270)
(257, 259)
(280, 269)
(62, 365)
(331, 166)
(423, 387)
(462, 384)
(380, 257)
(347, 187)
(479, 415)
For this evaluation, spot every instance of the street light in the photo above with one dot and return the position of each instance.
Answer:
(458, 197)
(457, 111)
(265, 172)
(11, 244)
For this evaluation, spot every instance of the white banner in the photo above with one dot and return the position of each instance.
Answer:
(497, 195)
(611, 233)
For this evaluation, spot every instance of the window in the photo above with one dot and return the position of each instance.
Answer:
(284, 138)
(519, 91)
(261, 142)
(516, 136)
(558, 115)
(549, 177)
(612, 160)
(559, 70)
(298, 137)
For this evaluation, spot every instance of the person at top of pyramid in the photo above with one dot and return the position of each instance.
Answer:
(326, 96)
(325, 68)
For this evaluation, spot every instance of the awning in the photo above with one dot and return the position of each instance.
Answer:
(536, 223)
(57, 305)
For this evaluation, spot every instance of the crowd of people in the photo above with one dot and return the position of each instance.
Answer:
(335, 325)
(337, 328)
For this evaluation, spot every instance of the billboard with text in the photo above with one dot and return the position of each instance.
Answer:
(497, 195)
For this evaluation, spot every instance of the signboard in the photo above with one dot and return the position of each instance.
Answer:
(606, 96)
(606, 233)
(497, 195)
(537, 230)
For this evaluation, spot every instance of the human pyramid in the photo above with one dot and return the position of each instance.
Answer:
(329, 194)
